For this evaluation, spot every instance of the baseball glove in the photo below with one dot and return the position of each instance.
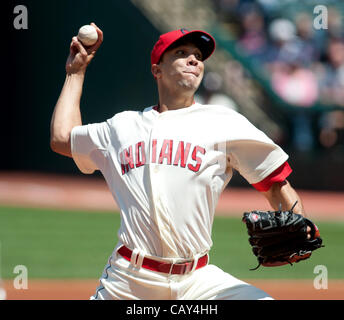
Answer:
(280, 237)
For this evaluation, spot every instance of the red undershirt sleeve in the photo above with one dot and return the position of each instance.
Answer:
(280, 174)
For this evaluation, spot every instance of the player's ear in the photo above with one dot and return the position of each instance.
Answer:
(156, 71)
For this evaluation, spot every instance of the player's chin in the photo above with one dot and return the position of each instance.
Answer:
(191, 83)
(188, 85)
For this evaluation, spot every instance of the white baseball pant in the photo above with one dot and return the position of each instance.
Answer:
(124, 280)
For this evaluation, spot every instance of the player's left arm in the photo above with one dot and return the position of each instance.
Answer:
(284, 195)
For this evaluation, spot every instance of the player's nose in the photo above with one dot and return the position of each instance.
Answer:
(192, 60)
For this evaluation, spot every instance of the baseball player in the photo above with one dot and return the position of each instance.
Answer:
(166, 167)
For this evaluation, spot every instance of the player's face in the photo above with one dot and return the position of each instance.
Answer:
(182, 67)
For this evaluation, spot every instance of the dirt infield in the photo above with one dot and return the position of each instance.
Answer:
(83, 289)
(89, 193)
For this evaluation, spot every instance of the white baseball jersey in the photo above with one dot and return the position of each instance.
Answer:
(166, 171)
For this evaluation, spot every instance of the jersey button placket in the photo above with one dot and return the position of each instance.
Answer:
(154, 167)
(153, 170)
(155, 175)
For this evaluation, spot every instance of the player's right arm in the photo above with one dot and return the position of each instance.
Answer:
(66, 113)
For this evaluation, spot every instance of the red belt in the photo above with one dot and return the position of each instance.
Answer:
(170, 268)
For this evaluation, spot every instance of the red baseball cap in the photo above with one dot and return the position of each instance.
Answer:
(203, 40)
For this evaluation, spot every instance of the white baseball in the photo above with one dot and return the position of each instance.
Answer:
(88, 35)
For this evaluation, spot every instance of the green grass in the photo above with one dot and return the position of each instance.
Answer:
(56, 244)
(72, 244)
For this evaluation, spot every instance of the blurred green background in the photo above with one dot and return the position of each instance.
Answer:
(120, 79)
(72, 244)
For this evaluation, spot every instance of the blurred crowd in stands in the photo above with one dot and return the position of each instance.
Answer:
(305, 66)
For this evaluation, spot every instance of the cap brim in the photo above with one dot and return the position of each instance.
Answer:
(202, 40)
